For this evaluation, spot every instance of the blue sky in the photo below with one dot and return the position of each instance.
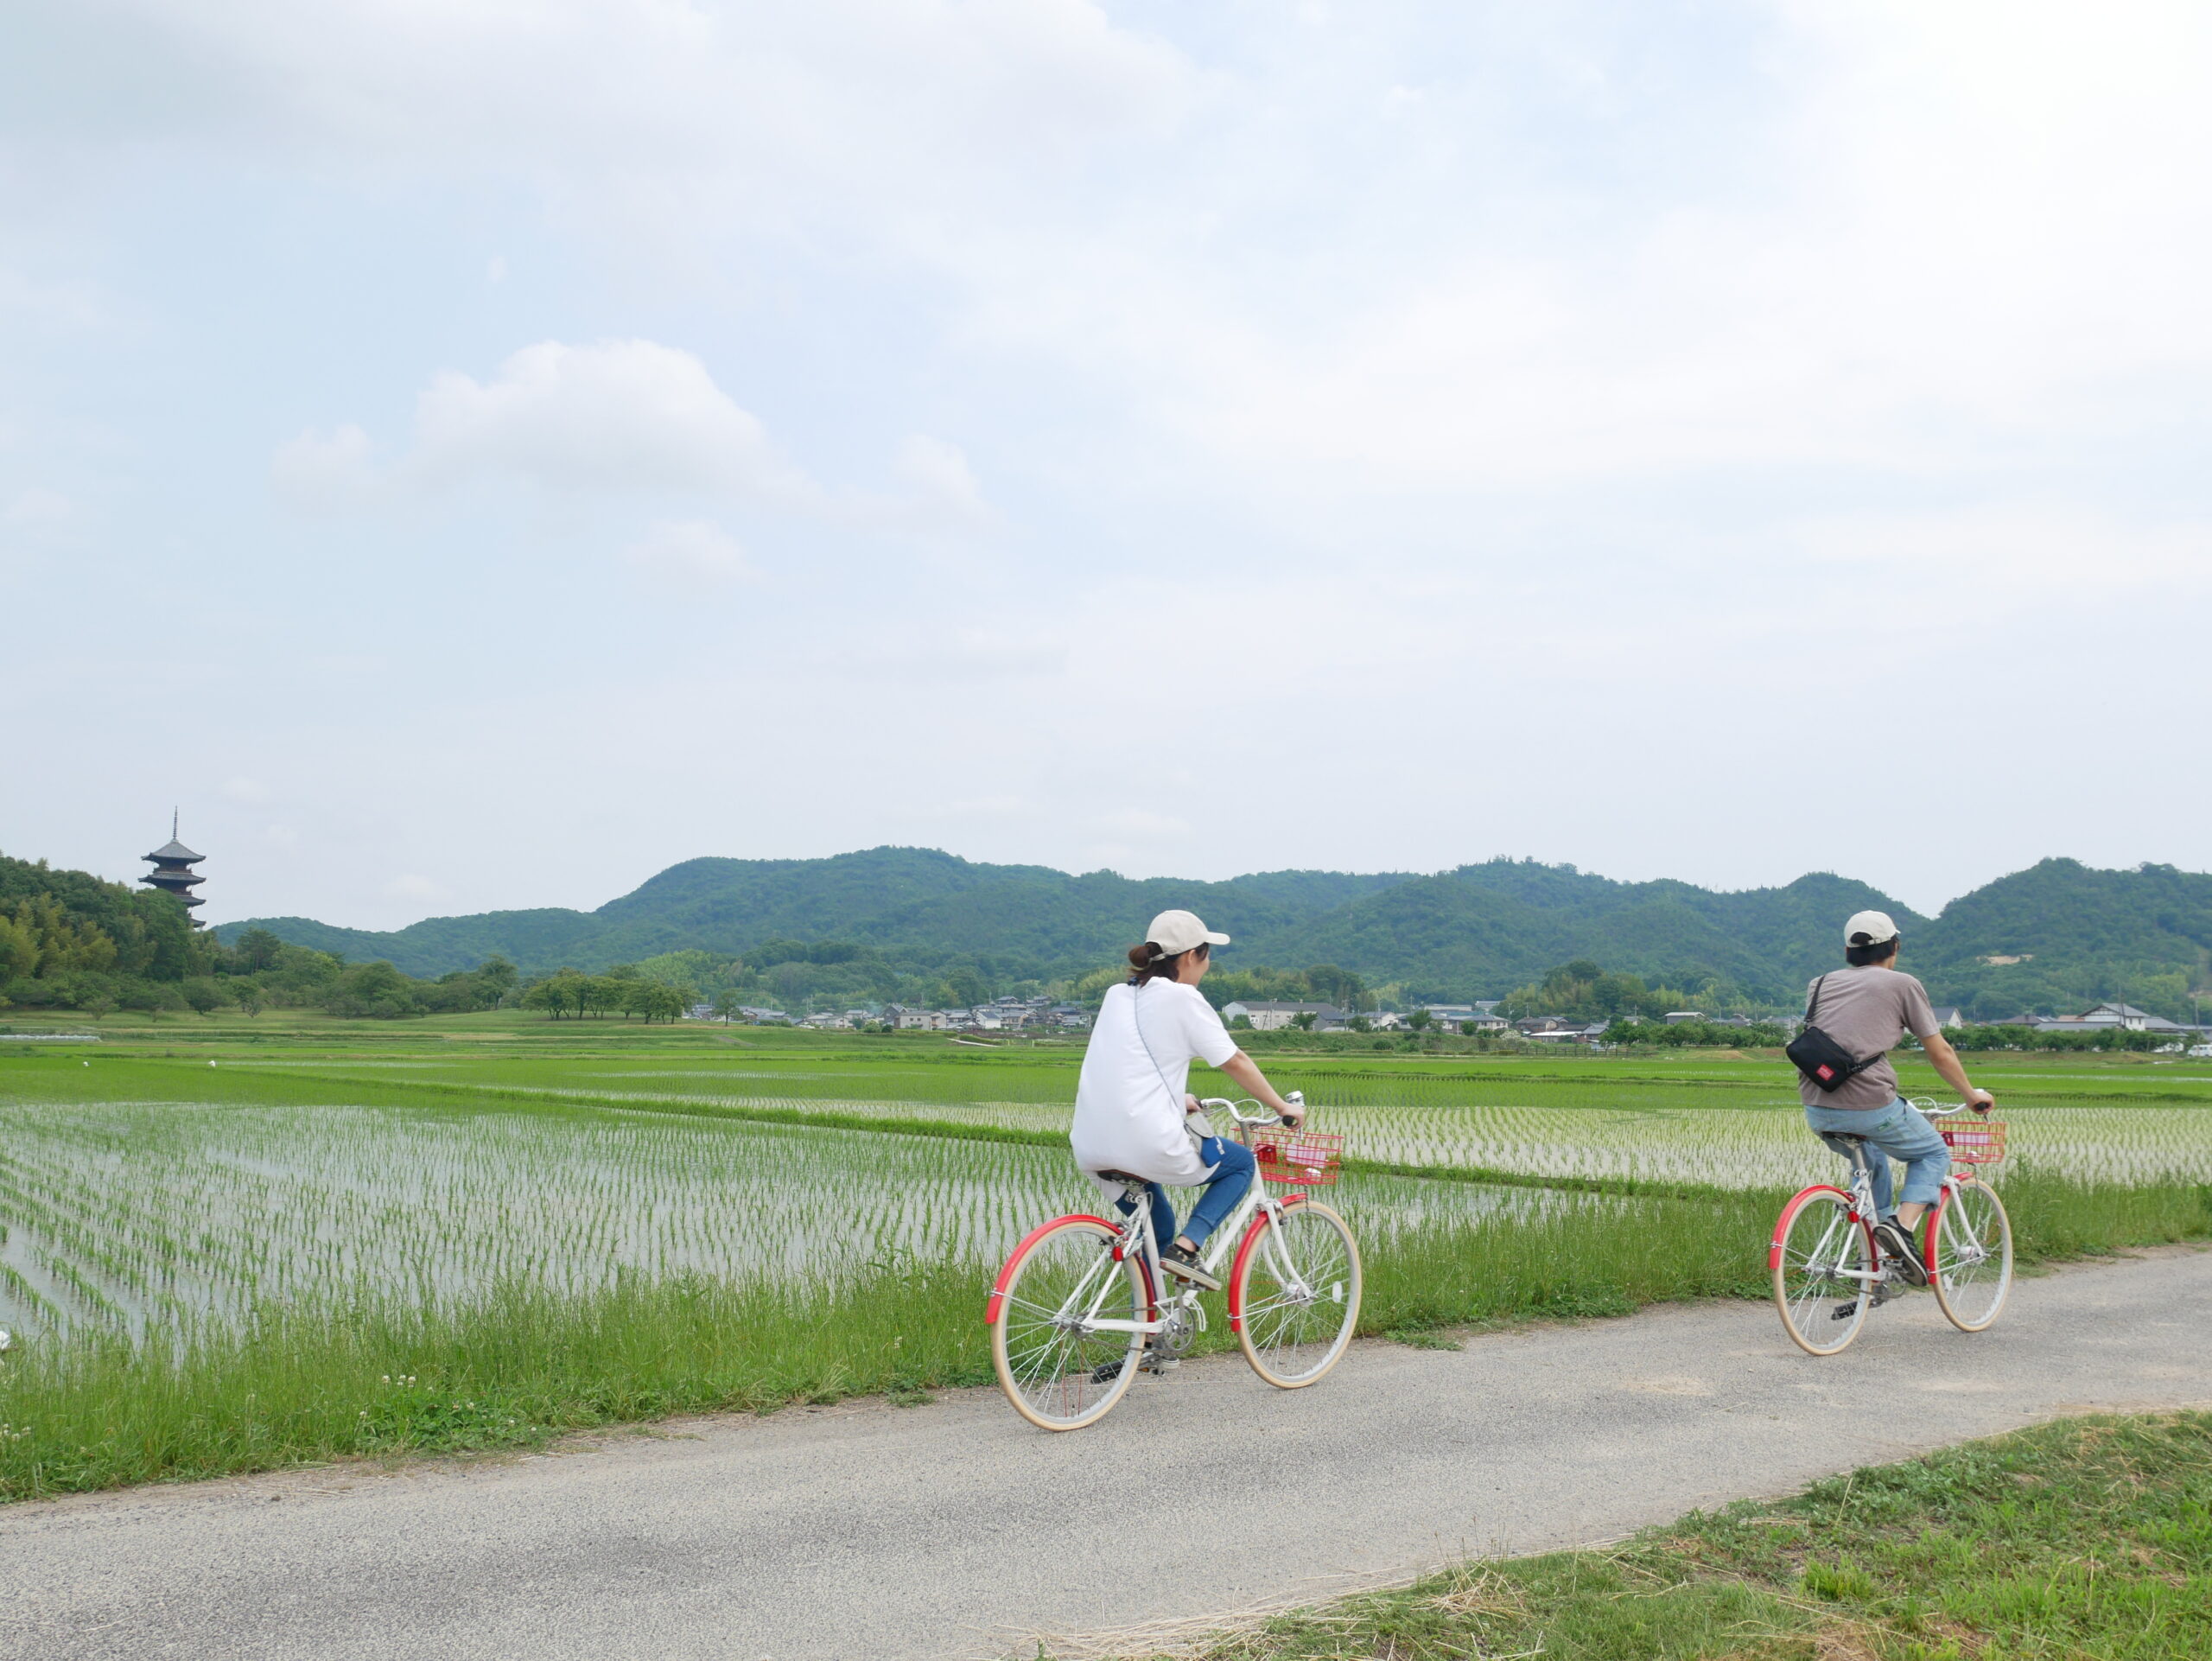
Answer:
(473, 455)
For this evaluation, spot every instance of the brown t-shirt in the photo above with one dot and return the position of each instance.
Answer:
(1866, 1010)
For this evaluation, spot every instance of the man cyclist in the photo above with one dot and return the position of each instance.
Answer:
(1866, 1008)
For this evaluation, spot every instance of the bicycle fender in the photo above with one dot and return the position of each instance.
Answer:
(997, 1300)
(1774, 1246)
(1243, 1250)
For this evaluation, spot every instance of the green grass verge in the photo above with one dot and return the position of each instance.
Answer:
(522, 1365)
(2089, 1537)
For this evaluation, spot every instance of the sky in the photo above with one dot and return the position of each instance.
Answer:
(466, 454)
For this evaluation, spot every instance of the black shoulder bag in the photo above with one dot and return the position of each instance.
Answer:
(1818, 1056)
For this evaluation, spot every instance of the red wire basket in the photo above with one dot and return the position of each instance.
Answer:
(1974, 1141)
(1304, 1158)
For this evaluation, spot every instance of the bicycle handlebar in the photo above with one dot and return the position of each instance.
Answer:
(1258, 1121)
(1926, 1106)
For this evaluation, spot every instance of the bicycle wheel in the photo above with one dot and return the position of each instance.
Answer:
(1060, 1373)
(1969, 1249)
(1294, 1294)
(1814, 1242)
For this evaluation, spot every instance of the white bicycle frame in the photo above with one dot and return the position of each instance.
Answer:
(1079, 1312)
(1862, 1196)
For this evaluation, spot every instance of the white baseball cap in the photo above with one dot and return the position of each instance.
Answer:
(1176, 932)
(1874, 925)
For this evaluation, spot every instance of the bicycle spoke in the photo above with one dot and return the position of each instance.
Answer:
(1971, 1267)
(1821, 1305)
(1048, 1358)
(1298, 1295)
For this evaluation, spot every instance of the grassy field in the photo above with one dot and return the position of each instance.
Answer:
(2091, 1537)
(231, 1243)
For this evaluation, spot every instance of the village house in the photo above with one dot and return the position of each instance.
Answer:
(2104, 1017)
(1270, 1016)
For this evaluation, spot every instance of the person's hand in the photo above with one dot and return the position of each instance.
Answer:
(1189, 1103)
(1980, 1100)
(1293, 1116)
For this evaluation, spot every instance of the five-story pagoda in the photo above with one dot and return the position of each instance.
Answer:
(172, 872)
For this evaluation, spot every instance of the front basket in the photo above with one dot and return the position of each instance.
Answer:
(1974, 1141)
(1306, 1159)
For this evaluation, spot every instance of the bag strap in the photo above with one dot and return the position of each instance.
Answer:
(1813, 1008)
(1136, 1019)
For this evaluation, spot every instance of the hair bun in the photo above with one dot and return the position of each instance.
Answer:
(1141, 957)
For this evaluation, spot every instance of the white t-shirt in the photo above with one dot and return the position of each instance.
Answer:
(1128, 1103)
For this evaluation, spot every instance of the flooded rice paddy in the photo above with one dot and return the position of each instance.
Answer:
(120, 1216)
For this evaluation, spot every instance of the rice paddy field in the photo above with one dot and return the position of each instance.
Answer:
(228, 1245)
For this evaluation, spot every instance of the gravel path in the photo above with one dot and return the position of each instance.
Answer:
(954, 1529)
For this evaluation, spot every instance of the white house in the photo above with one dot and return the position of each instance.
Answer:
(1949, 1015)
(1270, 1016)
(2106, 1016)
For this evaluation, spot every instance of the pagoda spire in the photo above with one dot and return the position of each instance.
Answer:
(172, 872)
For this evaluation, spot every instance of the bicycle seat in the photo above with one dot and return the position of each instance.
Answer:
(1122, 1176)
(1844, 1136)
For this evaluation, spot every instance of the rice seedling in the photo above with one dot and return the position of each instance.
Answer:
(218, 1269)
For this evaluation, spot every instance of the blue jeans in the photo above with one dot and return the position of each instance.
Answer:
(1232, 1175)
(1894, 1130)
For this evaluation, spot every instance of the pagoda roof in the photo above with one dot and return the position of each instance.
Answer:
(174, 850)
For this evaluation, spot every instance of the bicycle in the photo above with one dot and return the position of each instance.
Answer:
(1078, 1310)
(1825, 1252)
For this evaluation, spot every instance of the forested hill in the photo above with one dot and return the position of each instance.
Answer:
(908, 902)
(2077, 934)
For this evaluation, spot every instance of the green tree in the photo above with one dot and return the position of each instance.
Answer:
(375, 990)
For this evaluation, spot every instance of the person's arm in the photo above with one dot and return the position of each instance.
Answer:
(1952, 1071)
(1240, 1068)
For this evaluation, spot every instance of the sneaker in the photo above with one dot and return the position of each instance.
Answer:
(1897, 1242)
(1182, 1263)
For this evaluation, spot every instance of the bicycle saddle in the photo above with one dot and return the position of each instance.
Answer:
(1845, 1135)
(1121, 1176)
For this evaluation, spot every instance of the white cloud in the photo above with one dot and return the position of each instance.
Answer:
(315, 472)
(689, 556)
(251, 792)
(410, 886)
(945, 491)
(620, 415)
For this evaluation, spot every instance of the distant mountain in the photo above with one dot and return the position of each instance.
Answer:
(2077, 934)
(2062, 934)
(909, 901)
(1500, 925)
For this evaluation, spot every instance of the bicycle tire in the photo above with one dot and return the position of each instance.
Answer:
(1815, 1237)
(1966, 1232)
(1049, 1371)
(1294, 1329)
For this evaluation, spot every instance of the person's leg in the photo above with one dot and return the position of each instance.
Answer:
(1905, 1135)
(1828, 1121)
(1232, 1176)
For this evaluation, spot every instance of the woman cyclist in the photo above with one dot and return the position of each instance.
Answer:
(1130, 1103)
(1866, 1008)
